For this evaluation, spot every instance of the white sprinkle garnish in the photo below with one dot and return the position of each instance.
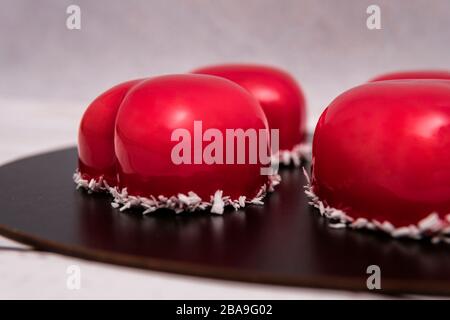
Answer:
(388, 227)
(242, 201)
(218, 204)
(359, 223)
(294, 156)
(181, 202)
(321, 208)
(305, 173)
(335, 214)
(400, 232)
(431, 223)
(431, 226)
(337, 225)
(126, 206)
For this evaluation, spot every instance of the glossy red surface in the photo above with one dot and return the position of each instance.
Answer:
(382, 151)
(278, 93)
(139, 119)
(415, 74)
(96, 134)
(155, 108)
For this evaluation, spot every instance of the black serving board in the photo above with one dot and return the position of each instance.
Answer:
(283, 242)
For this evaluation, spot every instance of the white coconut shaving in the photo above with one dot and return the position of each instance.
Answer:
(432, 226)
(294, 156)
(182, 202)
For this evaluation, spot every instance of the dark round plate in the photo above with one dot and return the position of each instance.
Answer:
(283, 242)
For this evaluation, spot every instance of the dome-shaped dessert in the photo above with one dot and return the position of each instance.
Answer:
(381, 158)
(414, 74)
(281, 99)
(183, 142)
(96, 155)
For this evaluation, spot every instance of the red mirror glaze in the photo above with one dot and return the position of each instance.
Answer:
(278, 93)
(96, 134)
(155, 108)
(126, 135)
(382, 151)
(416, 74)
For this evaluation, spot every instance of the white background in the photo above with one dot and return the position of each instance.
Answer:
(48, 75)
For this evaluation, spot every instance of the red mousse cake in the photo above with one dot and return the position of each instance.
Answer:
(281, 99)
(415, 74)
(173, 142)
(381, 159)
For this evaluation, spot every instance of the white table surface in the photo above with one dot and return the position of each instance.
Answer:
(30, 127)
